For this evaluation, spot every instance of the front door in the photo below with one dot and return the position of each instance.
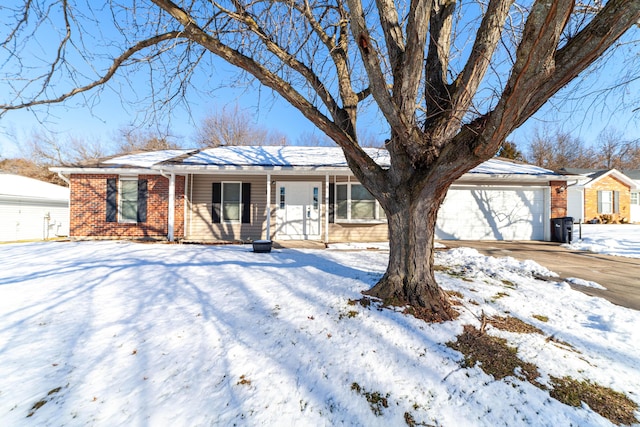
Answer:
(298, 210)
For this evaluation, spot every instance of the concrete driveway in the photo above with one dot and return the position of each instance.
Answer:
(620, 275)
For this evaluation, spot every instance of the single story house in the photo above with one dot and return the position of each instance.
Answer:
(31, 209)
(245, 193)
(599, 195)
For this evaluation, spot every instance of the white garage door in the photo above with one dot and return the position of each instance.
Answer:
(492, 214)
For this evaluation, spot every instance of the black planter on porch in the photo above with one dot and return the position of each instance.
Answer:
(262, 246)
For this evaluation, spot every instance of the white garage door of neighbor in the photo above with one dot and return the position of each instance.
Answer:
(492, 214)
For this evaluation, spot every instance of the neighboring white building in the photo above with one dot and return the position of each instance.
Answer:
(635, 195)
(31, 209)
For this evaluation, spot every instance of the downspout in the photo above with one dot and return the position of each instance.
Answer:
(187, 188)
(172, 204)
(68, 181)
(326, 209)
(268, 231)
(64, 178)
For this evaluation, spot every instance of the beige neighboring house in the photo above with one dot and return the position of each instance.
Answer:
(601, 196)
(31, 209)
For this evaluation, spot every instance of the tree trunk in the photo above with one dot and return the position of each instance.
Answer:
(409, 279)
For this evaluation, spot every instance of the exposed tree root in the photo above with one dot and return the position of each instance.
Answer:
(426, 303)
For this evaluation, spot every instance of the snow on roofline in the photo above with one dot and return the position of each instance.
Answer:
(258, 158)
(146, 159)
(18, 186)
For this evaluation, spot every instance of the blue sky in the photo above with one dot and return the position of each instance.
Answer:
(570, 111)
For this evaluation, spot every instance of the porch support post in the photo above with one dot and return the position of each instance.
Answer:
(171, 215)
(326, 208)
(268, 231)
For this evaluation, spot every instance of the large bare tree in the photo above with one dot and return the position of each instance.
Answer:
(451, 78)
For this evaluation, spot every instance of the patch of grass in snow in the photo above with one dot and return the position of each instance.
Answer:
(411, 422)
(540, 317)
(376, 400)
(613, 405)
(455, 297)
(512, 324)
(493, 355)
(498, 296)
(509, 284)
(496, 358)
(40, 403)
(243, 381)
(564, 345)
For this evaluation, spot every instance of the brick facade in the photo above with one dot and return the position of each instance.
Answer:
(558, 199)
(608, 183)
(88, 209)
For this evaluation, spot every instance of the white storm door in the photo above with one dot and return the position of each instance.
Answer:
(298, 210)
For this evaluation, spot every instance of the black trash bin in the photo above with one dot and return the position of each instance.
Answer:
(562, 229)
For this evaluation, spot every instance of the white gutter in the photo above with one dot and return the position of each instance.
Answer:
(108, 171)
(64, 178)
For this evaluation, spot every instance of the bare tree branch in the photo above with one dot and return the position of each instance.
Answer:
(117, 63)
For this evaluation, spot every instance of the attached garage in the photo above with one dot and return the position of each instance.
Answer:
(494, 213)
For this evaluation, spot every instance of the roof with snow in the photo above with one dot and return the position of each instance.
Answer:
(282, 158)
(17, 186)
(593, 175)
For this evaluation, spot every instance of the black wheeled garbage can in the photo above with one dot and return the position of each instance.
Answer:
(562, 229)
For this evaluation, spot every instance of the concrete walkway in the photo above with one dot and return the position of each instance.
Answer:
(620, 275)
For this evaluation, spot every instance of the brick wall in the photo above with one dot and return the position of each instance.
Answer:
(88, 209)
(558, 199)
(607, 183)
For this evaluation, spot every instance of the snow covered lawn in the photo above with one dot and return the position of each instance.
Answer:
(609, 239)
(127, 334)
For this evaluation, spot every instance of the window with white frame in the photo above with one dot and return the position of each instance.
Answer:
(128, 200)
(608, 202)
(354, 203)
(635, 198)
(231, 201)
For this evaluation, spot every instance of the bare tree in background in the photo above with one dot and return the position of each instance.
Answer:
(613, 150)
(132, 140)
(558, 149)
(235, 127)
(426, 66)
(48, 149)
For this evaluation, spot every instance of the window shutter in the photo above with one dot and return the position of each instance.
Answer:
(332, 203)
(216, 202)
(143, 194)
(599, 201)
(616, 202)
(112, 192)
(246, 203)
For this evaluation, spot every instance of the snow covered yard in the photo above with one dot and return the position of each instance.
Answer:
(610, 239)
(117, 333)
